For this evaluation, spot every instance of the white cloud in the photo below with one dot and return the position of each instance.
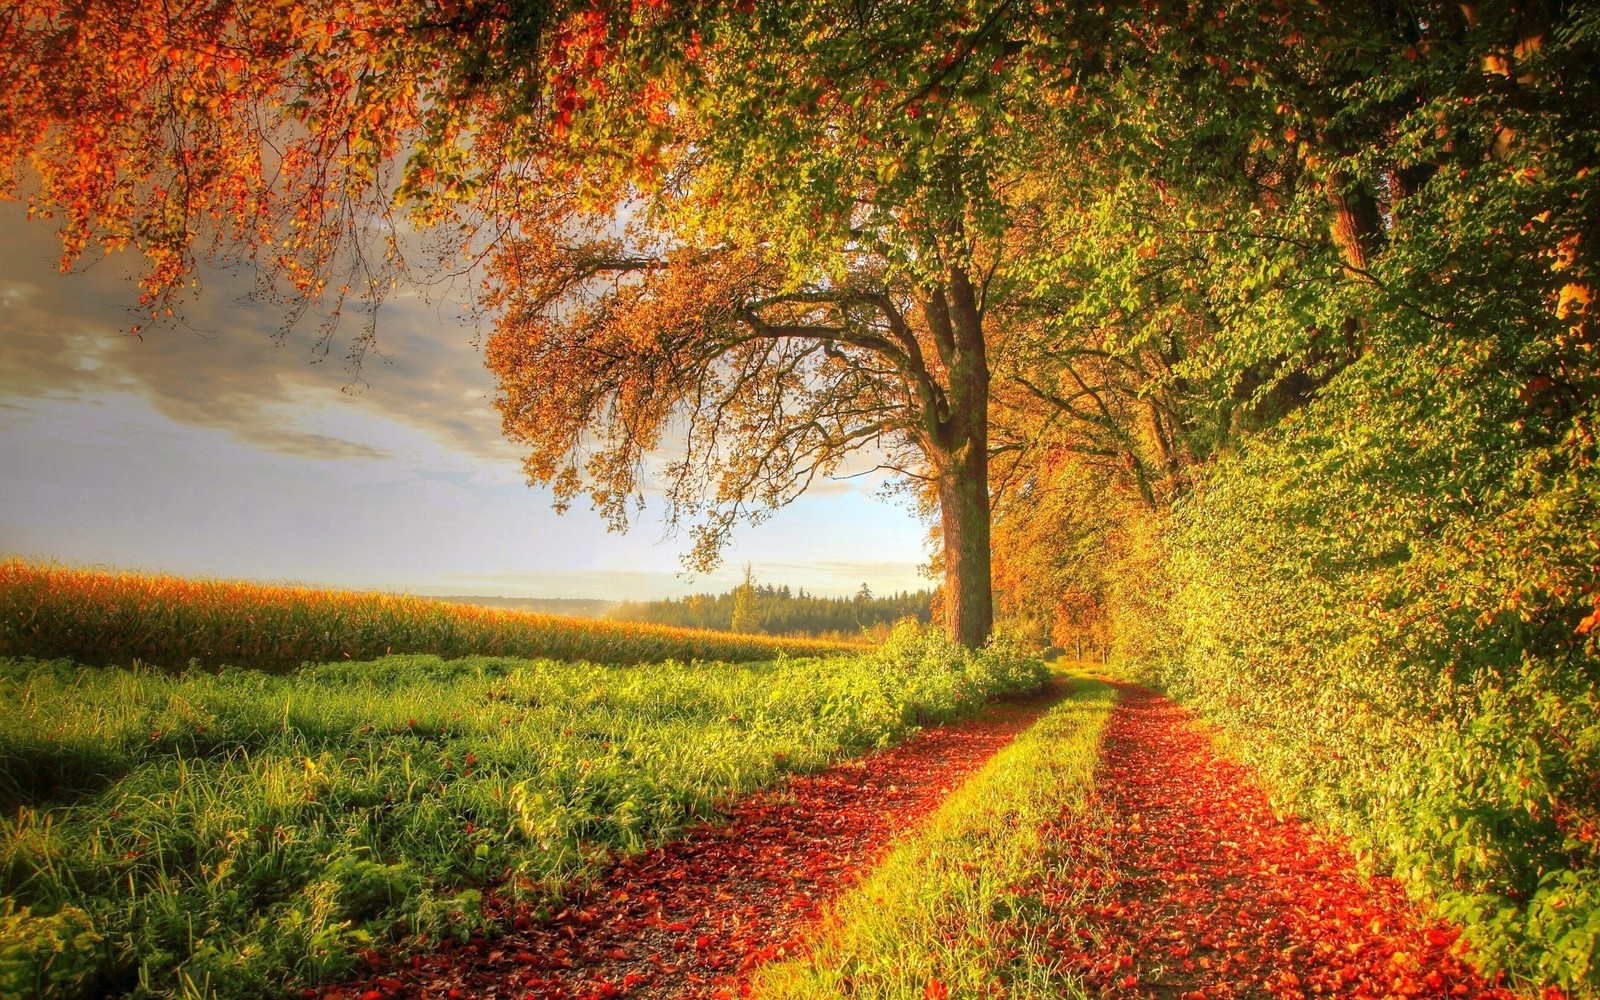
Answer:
(216, 449)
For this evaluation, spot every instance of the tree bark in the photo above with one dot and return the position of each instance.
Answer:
(962, 464)
(1357, 221)
(964, 513)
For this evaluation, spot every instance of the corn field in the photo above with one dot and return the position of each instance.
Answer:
(101, 617)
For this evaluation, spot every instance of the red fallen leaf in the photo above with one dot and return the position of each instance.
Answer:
(616, 954)
(372, 995)
(802, 850)
(1129, 981)
(935, 990)
(1213, 874)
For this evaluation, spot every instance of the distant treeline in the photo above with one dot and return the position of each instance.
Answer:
(780, 611)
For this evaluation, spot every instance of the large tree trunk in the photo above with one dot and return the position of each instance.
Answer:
(963, 471)
(1357, 221)
(964, 512)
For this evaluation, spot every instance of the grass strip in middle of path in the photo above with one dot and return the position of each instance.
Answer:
(945, 915)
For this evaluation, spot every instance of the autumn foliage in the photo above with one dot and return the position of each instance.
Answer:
(700, 917)
(1258, 337)
(1183, 881)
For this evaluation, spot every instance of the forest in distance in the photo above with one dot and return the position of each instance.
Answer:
(778, 610)
(1250, 345)
(752, 606)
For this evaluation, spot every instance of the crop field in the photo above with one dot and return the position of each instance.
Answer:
(99, 617)
(238, 833)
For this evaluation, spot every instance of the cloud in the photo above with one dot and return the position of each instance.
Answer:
(316, 446)
(215, 447)
(226, 367)
(230, 366)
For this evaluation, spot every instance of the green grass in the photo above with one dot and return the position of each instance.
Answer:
(959, 901)
(233, 835)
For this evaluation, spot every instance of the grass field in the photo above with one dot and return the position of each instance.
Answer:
(232, 835)
(100, 617)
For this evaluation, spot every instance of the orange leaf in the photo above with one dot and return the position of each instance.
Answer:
(1588, 623)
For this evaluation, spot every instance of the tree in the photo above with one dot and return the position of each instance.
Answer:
(814, 249)
(744, 603)
(771, 380)
(768, 237)
(773, 236)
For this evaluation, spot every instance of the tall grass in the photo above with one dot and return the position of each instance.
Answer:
(99, 617)
(955, 910)
(235, 834)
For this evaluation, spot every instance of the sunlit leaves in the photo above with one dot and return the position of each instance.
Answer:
(257, 131)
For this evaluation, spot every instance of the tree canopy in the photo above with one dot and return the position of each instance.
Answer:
(763, 237)
(773, 234)
(1258, 335)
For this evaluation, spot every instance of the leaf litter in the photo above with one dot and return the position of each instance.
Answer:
(694, 917)
(1180, 880)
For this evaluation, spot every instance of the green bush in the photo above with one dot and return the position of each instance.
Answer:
(1381, 601)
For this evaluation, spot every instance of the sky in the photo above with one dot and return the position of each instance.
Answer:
(217, 449)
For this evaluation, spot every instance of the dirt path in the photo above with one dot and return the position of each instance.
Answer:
(1203, 892)
(691, 918)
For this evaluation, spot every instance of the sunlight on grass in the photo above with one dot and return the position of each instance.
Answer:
(954, 910)
(228, 835)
